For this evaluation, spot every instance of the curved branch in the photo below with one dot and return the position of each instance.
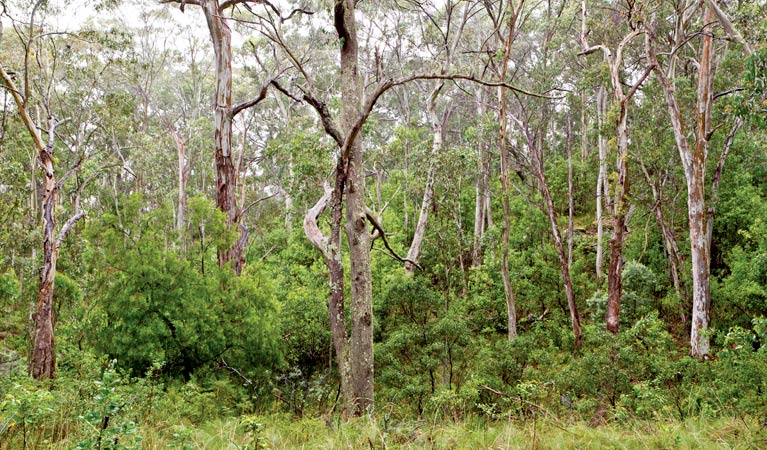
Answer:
(372, 218)
(312, 229)
(67, 227)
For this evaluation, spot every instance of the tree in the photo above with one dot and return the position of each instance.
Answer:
(694, 158)
(620, 206)
(224, 112)
(42, 362)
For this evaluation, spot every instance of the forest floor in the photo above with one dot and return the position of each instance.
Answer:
(282, 432)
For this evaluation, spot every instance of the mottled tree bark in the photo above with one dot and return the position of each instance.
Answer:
(226, 175)
(694, 159)
(358, 237)
(42, 362)
(330, 247)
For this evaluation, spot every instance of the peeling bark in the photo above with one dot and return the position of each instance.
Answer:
(694, 159)
(358, 238)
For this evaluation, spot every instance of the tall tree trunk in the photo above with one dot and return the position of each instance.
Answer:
(42, 365)
(428, 194)
(575, 317)
(358, 238)
(42, 362)
(226, 174)
(330, 247)
(543, 188)
(508, 290)
(694, 162)
(570, 192)
(620, 208)
(602, 183)
(181, 207)
(437, 125)
(479, 197)
(675, 261)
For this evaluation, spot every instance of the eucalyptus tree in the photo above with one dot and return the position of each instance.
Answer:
(61, 105)
(694, 154)
(532, 116)
(218, 15)
(620, 207)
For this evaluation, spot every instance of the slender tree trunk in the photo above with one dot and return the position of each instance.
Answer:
(543, 188)
(181, 207)
(584, 127)
(675, 261)
(428, 194)
(694, 163)
(226, 174)
(508, 290)
(570, 191)
(575, 317)
(602, 183)
(43, 361)
(614, 281)
(358, 238)
(330, 247)
(479, 198)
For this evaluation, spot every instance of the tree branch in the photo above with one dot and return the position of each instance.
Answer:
(636, 86)
(371, 217)
(236, 109)
(327, 119)
(67, 227)
(254, 203)
(312, 229)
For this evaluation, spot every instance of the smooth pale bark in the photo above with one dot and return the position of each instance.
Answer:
(428, 193)
(602, 182)
(358, 237)
(181, 206)
(508, 290)
(479, 194)
(437, 126)
(694, 159)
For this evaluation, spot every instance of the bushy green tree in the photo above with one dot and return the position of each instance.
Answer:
(156, 305)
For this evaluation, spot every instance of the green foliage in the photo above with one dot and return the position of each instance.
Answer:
(105, 428)
(153, 305)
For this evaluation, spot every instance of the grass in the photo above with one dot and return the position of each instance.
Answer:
(281, 432)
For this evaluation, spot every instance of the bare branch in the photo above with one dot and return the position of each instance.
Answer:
(636, 86)
(728, 92)
(254, 203)
(372, 218)
(67, 227)
(312, 229)
(592, 49)
(236, 109)
(327, 120)
(20, 105)
(183, 2)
